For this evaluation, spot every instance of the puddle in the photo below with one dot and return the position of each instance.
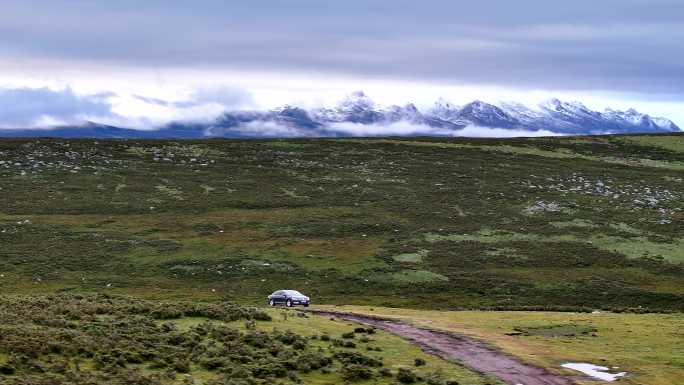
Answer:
(598, 372)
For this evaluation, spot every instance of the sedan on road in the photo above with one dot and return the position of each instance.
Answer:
(288, 298)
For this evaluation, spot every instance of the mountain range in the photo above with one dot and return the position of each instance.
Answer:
(359, 115)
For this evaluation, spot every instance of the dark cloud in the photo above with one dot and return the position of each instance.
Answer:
(612, 45)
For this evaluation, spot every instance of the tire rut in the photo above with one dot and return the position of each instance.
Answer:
(473, 354)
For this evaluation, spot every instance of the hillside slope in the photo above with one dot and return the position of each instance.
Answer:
(591, 222)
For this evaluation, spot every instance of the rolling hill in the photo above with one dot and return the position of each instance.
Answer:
(556, 223)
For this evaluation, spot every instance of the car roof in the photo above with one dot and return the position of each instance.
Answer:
(291, 292)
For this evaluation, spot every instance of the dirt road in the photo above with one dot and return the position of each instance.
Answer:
(472, 353)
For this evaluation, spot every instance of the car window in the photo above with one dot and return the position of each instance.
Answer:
(293, 292)
(279, 292)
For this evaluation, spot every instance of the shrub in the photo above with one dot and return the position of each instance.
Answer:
(357, 358)
(270, 369)
(213, 363)
(261, 315)
(290, 338)
(385, 372)
(7, 369)
(294, 377)
(349, 335)
(181, 366)
(165, 312)
(355, 372)
(313, 361)
(419, 362)
(406, 376)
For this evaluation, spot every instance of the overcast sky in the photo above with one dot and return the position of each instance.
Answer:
(180, 59)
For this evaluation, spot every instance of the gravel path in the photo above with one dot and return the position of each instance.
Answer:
(472, 353)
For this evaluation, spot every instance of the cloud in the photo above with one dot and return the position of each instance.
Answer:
(488, 132)
(271, 129)
(618, 45)
(201, 105)
(265, 129)
(401, 128)
(404, 128)
(43, 107)
(229, 97)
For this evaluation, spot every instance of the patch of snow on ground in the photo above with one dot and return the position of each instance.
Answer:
(598, 372)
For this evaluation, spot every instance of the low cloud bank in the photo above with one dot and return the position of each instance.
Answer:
(270, 129)
(411, 129)
(42, 108)
(392, 129)
(488, 132)
(260, 129)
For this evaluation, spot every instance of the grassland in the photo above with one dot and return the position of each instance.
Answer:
(546, 223)
(650, 347)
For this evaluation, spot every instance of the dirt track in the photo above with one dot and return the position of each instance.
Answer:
(472, 353)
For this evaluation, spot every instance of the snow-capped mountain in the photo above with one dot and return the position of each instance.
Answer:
(355, 108)
(359, 110)
(487, 115)
(444, 110)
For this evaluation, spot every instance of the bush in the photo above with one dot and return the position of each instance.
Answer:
(355, 372)
(313, 361)
(271, 369)
(7, 369)
(181, 366)
(419, 362)
(385, 372)
(406, 376)
(294, 377)
(357, 358)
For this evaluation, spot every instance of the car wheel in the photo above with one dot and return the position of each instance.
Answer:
(271, 302)
(306, 305)
(288, 303)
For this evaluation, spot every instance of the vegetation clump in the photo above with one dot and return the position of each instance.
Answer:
(93, 339)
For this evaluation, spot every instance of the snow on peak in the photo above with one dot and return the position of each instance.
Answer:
(357, 100)
(488, 115)
(552, 115)
(444, 109)
(408, 112)
(557, 105)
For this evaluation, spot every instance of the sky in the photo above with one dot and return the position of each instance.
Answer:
(143, 63)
